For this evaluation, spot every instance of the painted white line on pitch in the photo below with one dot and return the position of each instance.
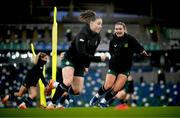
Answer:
(90, 117)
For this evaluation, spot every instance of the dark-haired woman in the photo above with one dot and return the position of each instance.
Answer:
(78, 57)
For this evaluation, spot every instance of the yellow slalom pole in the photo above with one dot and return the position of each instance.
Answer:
(54, 47)
(32, 49)
(41, 86)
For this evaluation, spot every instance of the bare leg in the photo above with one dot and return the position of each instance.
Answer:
(21, 91)
(33, 92)
(77, 85)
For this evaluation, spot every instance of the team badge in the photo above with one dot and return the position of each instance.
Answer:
(67, 62)
(126, 45)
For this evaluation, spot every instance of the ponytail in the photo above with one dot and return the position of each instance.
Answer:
(87, 16)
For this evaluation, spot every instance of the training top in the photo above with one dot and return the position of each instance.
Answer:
(36, 73)
(122, 50)
(83, 47)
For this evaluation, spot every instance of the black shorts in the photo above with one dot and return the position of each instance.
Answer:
(79, 69)
(110, 71)
(28, 83)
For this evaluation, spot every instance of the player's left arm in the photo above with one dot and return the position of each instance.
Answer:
(43, 80)
(139, 48)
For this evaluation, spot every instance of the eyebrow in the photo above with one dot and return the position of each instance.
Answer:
(118, 28)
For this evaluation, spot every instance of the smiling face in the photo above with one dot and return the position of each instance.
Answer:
(119, 30)
(96, 25)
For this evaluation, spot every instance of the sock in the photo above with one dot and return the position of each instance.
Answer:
(68, 97)
(63, 98)
(67, 100)
(48, 99)
(111, 101)
(61, 88)
(12, 96)
(110, 94)
(134, 101)
(71, 91)
(28, 101)
(102, 91)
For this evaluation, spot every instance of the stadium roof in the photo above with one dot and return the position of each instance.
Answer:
(39, 10)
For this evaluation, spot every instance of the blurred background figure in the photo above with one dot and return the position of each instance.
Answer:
(161, 76)
(30, 83)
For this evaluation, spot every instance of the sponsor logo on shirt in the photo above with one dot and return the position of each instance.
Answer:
(126, 45)
(67, 62)
(82, 40)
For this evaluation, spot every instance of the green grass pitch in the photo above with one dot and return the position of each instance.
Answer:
(136, 112)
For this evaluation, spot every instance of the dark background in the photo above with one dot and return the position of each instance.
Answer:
(37, 11)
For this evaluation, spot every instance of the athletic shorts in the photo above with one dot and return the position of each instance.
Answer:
(28, 83)
(79, 70)
(127, 73)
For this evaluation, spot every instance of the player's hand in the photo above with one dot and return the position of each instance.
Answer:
(103, 56)
(108, 55)
(86, 70)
